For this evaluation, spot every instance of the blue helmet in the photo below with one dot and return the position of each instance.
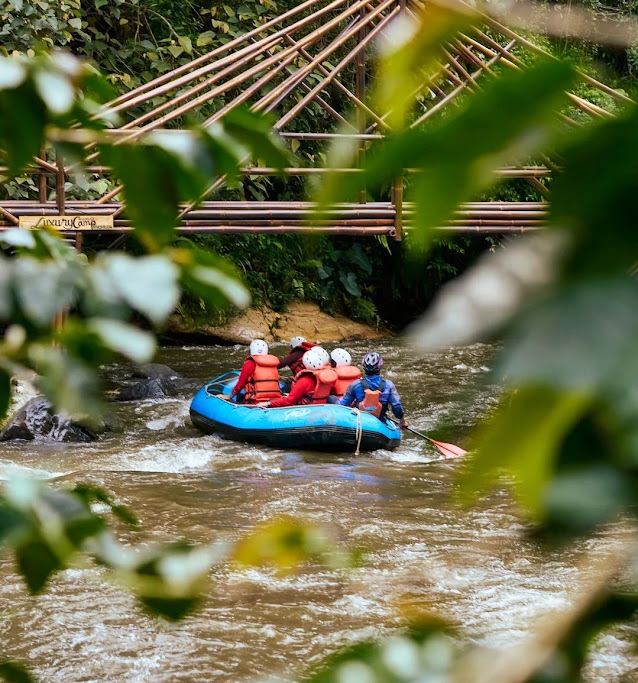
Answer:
(372, 363)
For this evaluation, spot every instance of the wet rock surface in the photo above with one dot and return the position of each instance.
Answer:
(160, 387)
(37, 420)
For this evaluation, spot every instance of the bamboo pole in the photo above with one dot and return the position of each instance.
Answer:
(342, 88)
(42, 180)
(325, 105)
(280, 91)
(517, 64)
(9, 216)
(60, 179)
(441, 103)
(284, 120)
(171, 75)
(360, 90)
(253, 71)
(331, 76)
(184, 108)
(539, 50)
(220, 181)
(397, 200)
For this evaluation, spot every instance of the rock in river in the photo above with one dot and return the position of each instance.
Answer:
(37, 420)
(148, 388)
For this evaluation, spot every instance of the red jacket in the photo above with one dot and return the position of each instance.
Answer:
(303, 386)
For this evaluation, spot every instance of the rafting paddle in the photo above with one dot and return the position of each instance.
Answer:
(449, 450)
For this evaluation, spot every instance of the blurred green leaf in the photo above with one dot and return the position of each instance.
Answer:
(589, 327)
(424, 652)
(11, 521)
(125, 339)
(70, 384)
(44, 288)
(13, 672)
(22, 122)
(522, 438)
(595, 196)
(154, 182)
(255, 131)
(409, 49)
(37, 563)
(147, 284)
(604, 610)
(207, 276)
(170, 581)
(90, 493)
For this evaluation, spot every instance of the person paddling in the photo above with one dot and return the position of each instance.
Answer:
(347, 373)
(372, 393)
(259, 377)
(312, 385)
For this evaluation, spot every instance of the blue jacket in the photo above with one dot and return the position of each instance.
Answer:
(389, 396)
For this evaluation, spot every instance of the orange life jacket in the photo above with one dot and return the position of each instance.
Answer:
(264, 383)
(297, 366)
(326, 379)
(371, 403)
(346, 375)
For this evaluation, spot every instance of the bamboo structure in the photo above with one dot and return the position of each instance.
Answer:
(313, 56)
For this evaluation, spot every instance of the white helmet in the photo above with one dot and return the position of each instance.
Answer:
(312, 360)
(322, 353)
(341, 357)
(296, 341)
(258, 347)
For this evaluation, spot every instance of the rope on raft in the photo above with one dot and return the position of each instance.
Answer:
(359, 431)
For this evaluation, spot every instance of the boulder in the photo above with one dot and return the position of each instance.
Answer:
(37, 420)
(155, 371)
(303, 317)
(148, 388)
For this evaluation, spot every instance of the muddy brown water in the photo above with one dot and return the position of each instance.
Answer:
(474, 567)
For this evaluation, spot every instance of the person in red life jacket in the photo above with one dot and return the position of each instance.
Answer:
(259, 377)
(347, 373)
(298, 346)
(372, 393)
(311, 386)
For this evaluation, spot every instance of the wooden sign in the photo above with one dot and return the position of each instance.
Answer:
(67, 222)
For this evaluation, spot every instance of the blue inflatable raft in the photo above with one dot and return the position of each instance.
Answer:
(316, 427)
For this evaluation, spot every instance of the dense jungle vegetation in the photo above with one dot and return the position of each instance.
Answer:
(134, 41)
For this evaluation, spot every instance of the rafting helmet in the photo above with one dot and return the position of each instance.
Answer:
(372, 363)
(322, 353)
(258, 347)
(312, 360)
(297, 341)
(341, 357)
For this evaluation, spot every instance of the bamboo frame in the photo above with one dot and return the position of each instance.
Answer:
(268, 69)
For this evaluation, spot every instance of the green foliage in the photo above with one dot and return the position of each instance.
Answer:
(12, 672)
(426, 651)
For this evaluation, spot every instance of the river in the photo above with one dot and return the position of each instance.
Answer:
(472, 566)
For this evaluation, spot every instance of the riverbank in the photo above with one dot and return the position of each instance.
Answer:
(302, 318)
